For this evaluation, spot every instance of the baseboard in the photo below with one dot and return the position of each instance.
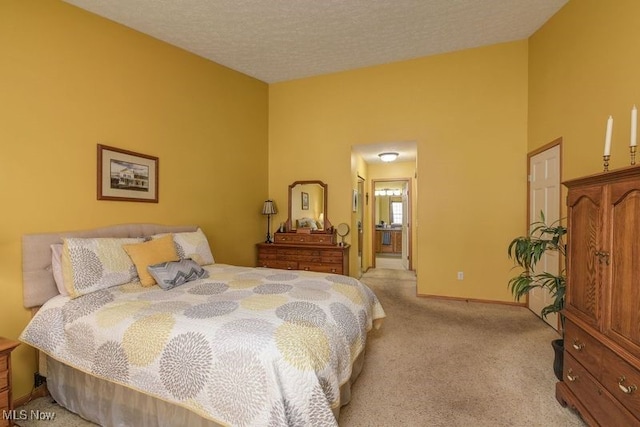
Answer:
(484, 301)
(41, 391)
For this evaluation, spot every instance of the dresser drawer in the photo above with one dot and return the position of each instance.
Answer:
(4, 362)
(284, 265)
(267, 256)
(4, 379)
(304, 238)
(595, 398)
(622, 380)
(308, 255)
(583, 347)
(321, 268)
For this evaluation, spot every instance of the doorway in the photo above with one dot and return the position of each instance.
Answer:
(391, 232)
(544, 196)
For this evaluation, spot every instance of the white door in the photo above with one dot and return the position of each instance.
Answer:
(544, 196)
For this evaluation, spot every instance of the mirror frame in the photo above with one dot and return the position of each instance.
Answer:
(327, 224)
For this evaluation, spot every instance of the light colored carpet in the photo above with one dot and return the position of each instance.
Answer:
(454, 363)
(439, 363)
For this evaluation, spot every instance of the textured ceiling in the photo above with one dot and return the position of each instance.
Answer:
(279, 40)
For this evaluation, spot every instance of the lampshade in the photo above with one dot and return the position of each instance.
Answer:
(269, 208)
(388, 156)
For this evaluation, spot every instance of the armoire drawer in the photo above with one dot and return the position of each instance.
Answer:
(583, 347)
(622, 380)
(594, 397)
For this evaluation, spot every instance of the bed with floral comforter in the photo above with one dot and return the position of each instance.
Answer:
(244, 346)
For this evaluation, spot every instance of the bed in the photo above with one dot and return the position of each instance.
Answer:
(230, 346)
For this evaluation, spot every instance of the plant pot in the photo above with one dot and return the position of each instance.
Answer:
(558, 348)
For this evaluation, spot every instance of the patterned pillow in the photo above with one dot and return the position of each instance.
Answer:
(149, 253)
(92, 264)
(171, 274)
(192, 245)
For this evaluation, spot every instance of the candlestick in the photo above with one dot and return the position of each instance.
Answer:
(632, 150)
(634, 126)
(607, 137)
(606, 158)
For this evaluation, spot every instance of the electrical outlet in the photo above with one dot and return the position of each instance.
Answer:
(38, 379)
(460, 275)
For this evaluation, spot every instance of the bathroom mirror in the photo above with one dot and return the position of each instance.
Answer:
(308, 207)
(386, 195)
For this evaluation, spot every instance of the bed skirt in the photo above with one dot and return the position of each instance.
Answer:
(109, 404)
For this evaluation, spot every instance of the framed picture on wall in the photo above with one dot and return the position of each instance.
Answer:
(127, 176)
(305, 201)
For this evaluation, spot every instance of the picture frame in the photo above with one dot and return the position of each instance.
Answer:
(305, 201)
(125, 175)
(354, 201)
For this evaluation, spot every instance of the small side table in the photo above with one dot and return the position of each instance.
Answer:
(6, 401)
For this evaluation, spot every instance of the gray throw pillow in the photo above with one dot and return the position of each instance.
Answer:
(175, 273)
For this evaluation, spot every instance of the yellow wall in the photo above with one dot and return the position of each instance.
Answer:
(71, 80)
(466, 110)
(584, 65)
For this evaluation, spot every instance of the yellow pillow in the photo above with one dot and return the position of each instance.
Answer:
(150, 253)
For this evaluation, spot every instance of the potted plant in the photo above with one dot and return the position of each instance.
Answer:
(526, 251)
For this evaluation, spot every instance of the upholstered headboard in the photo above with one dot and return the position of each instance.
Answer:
(37, 275)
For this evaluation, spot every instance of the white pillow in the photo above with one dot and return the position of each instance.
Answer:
(56, 267)
(192, 244)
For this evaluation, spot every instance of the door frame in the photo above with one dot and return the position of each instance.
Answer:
(360, 225)
(408, 182)
(548, 146)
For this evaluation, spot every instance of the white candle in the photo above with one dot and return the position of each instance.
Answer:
(634, 126)
(607, 138)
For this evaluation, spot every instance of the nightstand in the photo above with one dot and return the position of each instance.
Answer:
(6, 403)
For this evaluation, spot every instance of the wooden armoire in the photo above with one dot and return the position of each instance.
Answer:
(602, 307)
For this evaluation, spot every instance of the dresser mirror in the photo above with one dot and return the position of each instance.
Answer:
(308, 207)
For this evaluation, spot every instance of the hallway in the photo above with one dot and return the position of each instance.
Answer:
(394, 263)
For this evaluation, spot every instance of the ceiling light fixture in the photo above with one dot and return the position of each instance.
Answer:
(388, 157)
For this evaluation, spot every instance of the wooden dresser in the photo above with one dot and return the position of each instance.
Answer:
(6, 402)
(602, 306)
(303, 251)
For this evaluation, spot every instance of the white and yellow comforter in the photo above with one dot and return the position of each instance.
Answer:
(244, 346)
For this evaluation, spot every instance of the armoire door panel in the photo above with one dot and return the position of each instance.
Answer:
(624, 310)
(584, 296)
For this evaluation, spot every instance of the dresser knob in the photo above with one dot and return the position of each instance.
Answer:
(570, 376)
(626, 390)
(577, 344)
